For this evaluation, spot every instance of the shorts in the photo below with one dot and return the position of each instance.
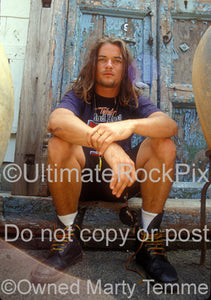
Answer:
(95, 188)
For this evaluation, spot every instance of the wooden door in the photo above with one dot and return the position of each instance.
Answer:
(182, 23)
(132, 25)
(162, 36)
(40, 91)
(69, 30)
(87, 23)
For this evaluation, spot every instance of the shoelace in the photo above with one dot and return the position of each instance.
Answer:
(65, 238)
(154, 243)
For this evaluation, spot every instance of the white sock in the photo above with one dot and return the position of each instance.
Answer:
(147, 217)
(68, 220)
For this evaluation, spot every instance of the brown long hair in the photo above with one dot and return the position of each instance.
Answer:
(84, 85)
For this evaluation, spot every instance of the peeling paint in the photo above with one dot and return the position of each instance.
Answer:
(87, 26)
(60, 35)
(190, 142)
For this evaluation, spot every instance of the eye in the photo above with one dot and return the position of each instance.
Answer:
(117, 61)
(101, 60)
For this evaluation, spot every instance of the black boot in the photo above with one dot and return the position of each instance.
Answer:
(151, 255)
(65, 250)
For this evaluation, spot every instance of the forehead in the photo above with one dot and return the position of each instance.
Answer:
(110, 50)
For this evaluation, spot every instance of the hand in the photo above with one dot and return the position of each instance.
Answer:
(123, 169)
(105, 134)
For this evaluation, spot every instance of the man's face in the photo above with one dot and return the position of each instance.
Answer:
(109, 67)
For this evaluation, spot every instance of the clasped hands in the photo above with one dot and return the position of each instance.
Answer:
(103, 138)
(102, 135)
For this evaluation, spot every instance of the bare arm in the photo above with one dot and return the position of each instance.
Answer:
(123, 169)
(157, 125)
(64, 124)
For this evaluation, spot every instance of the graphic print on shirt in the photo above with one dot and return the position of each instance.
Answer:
(105, 114)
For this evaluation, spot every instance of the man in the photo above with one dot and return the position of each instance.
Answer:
(92, 126)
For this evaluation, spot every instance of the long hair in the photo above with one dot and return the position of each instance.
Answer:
(84, 85)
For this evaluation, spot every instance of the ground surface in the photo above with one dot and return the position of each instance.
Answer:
(100, 275)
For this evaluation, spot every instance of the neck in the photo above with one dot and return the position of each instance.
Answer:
(107, 92)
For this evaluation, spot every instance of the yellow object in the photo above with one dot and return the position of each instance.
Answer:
(100, 163)
(6, 103)
(201, 80)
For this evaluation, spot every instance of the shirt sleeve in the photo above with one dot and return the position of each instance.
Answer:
(71, 102)
(146, 107)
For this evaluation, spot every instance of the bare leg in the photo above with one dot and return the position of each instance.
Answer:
(156, 154)
(66, 161)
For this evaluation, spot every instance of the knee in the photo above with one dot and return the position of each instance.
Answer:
(165, 149)
(62, 153)
(58, 149)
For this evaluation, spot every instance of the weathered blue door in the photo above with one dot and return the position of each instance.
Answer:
(162, 36)
(133, 25)
(182, 24)
(87, 23)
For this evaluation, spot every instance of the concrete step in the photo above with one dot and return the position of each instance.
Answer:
(22, 216)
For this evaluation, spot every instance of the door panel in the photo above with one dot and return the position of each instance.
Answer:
(134, 27)
(131, 31)
(183, 23)
(187, 34)
(90, 30)
(93, 22)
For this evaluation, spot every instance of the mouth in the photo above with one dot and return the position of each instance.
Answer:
(108, 74)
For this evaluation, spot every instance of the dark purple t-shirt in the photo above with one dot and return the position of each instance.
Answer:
(102, 110)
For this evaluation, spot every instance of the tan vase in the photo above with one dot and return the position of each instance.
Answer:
(201, 80)
(6, 103)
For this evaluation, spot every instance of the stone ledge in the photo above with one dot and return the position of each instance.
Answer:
(38, 213)
(179, 213)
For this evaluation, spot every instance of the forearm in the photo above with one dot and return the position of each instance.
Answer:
(122, 166)
(158, 125)
(65, 125)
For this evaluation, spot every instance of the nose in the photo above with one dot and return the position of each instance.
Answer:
(109, 64)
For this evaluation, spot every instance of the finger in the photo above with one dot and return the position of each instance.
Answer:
(97, 142)
(93, 133)
(92, 137)
(132, 178)
(94, 141)
(90, 134)
(114, 180)
(126, 179)
(120, 187)
(126, 172)
(104, 141)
